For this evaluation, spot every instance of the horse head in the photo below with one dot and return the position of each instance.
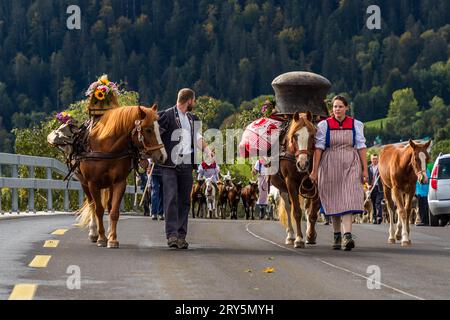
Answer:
(146, 136)
(419, 160)
(301, 137)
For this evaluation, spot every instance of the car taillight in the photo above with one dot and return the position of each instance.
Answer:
(434, 174)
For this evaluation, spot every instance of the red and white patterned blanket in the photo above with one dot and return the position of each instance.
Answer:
(257, 137)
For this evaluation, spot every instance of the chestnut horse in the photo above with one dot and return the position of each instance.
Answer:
(249, 197)
(292, 180)
(119, 137)
(400, 168)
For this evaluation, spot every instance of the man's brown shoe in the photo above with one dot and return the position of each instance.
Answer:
(182, 244)
(172, 242)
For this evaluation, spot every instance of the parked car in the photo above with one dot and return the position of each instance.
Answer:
(439, 192)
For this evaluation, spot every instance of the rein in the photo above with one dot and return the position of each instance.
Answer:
(305, 191)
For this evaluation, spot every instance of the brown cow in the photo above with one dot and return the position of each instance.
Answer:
(198, 197)
(234, 195)
(249, 197)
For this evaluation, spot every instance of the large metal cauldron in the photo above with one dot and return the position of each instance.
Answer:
(301, 91)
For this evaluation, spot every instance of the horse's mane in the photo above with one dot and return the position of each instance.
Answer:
(295, 125)
(116, 122)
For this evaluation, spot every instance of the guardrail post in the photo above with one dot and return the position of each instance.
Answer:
(80, 198)
(15, 197)
(66, 200)
(49, 191)
(31, 191)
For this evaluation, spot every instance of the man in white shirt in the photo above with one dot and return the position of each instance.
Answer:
(177, 127)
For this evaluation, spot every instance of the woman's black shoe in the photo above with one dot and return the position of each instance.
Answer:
(348, 242)
(337, 241)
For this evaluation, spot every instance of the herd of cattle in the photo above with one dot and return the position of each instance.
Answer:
(221, 200)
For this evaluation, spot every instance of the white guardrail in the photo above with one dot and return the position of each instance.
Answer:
(14, 183)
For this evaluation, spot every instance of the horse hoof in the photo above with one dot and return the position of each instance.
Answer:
(391, 241)
(406, 243)
(101, 243)
(93, 238)
(299, 245)
(289, 242)
(113, 244)
(311, 239)
(398, 237)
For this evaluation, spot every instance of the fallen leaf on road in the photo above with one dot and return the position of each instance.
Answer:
(271, 258)
(248, 271)
(269, 270)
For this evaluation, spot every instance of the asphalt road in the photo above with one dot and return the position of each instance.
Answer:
(226, 260)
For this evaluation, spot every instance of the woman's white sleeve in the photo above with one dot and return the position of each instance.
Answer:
(360, 142)
(321, 135)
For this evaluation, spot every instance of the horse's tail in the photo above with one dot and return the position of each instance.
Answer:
(87, 211)
(282, 214)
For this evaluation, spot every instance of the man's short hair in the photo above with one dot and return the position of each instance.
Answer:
(374, 155)
(184, 95)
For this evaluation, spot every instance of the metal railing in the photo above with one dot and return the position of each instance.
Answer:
(30, 183)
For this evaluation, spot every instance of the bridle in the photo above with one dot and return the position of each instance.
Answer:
(304, 189)
(296, 151)
(138, 130)
(418, 173)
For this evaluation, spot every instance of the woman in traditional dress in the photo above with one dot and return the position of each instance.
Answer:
(340, 170)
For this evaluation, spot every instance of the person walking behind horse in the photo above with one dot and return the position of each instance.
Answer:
(422, 199)
(209, 168)
(178, 123)
(340, 170)
(263, 187)
(145, 185)
(377, 190)
(157, 197)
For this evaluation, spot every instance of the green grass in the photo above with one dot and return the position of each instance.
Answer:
(376, 124)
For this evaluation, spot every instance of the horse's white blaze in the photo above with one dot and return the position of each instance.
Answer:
(302, 142)
(303, 137)
(423, 159)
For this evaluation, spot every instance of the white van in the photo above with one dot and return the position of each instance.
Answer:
(439, 191)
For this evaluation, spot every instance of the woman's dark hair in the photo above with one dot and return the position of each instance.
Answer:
(340, 98)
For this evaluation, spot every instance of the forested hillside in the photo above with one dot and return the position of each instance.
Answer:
(228, 49)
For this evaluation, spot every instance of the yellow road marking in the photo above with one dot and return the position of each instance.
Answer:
(51, 243)
(23, 292)
(40, 262)
(59, 232)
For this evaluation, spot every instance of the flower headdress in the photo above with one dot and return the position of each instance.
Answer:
(268, 107)
(102, 89)
(63, 117)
